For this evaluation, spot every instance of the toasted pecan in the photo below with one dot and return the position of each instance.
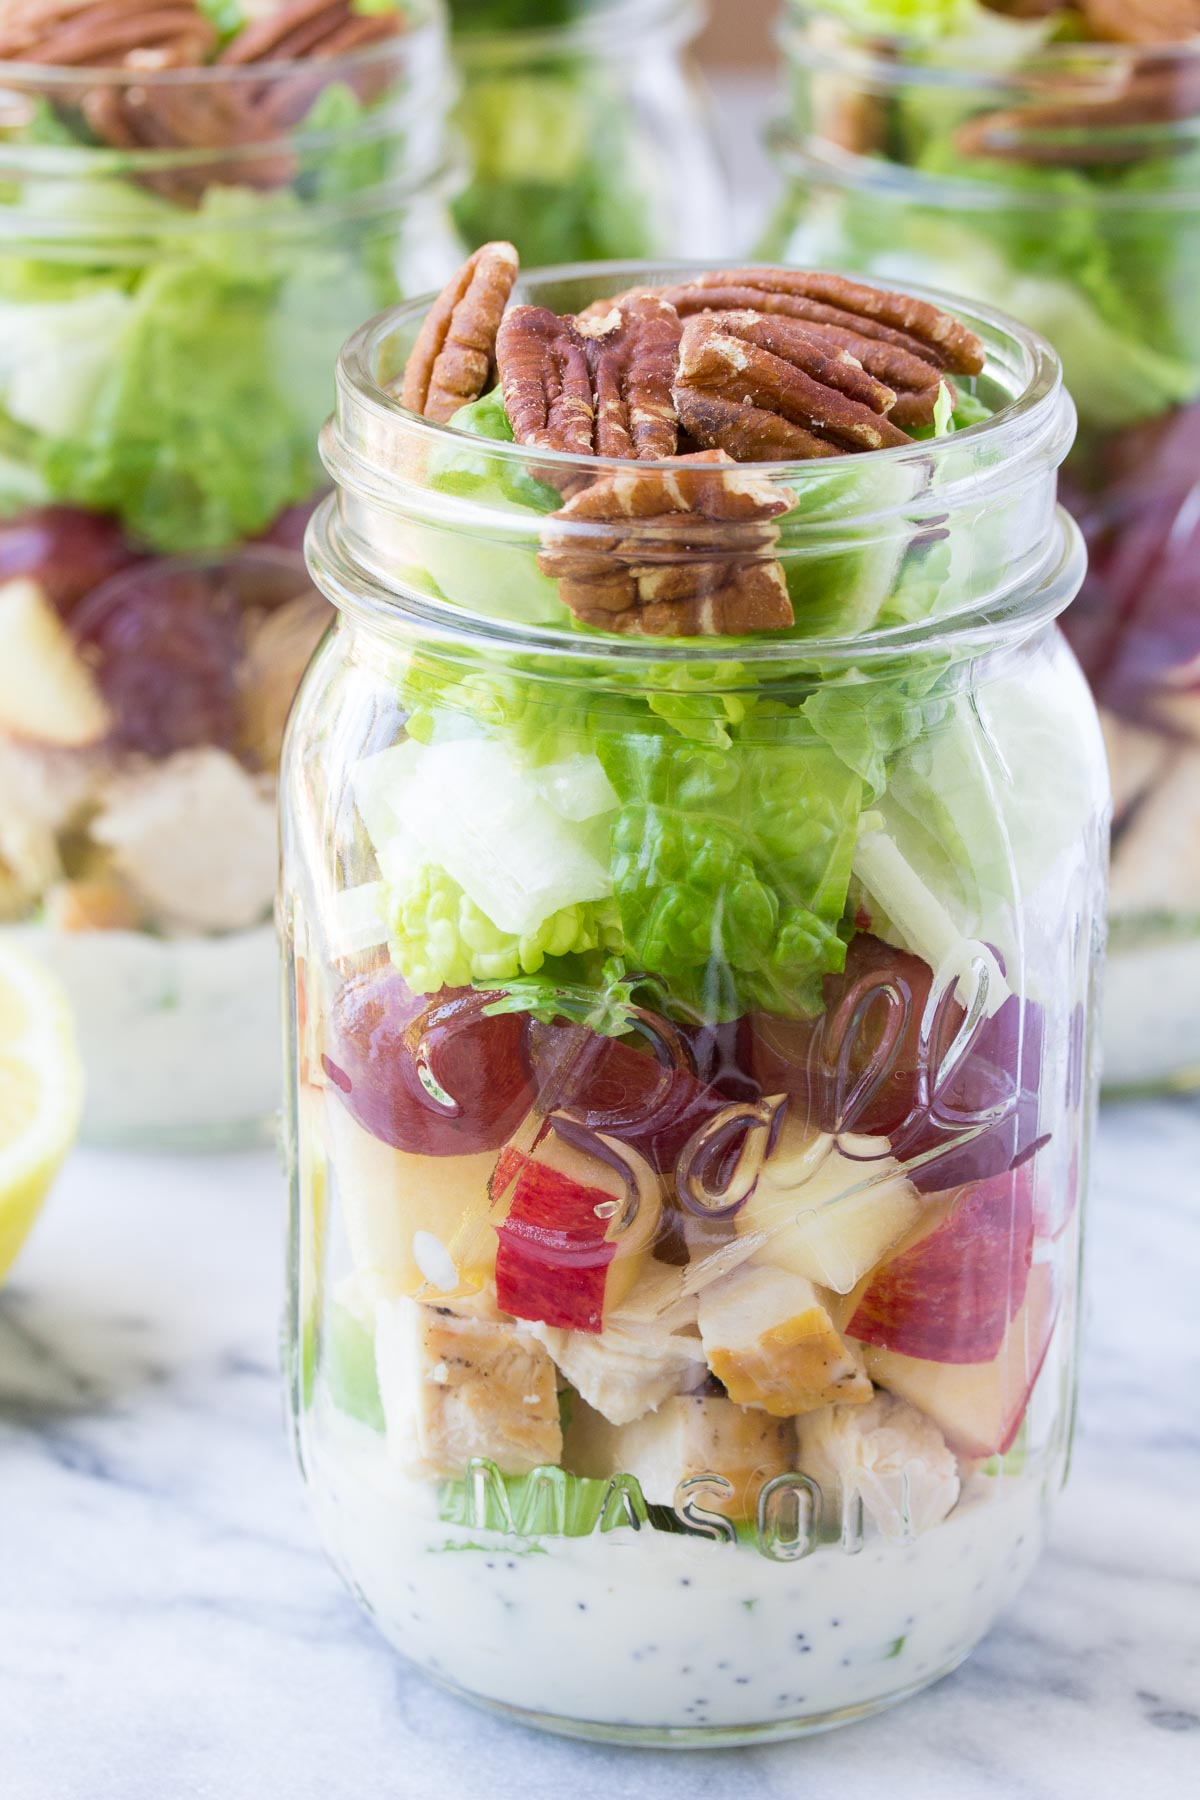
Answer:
(1142, 21)
(679, 548)
(902, 320)
(907, 344)
(452, 360)
(114, 34)
(599, 385)
(776, 366)
(305, 28)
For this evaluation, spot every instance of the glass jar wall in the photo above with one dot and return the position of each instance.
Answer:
(690, 1050)
(1062, 182)
(181, 254)
(586, 129)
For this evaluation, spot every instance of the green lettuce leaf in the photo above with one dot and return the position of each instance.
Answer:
(731, 867)
(180, 386)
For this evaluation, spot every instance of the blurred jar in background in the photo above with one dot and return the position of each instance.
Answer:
(586, 129)
(1003, 152)
(188, 228)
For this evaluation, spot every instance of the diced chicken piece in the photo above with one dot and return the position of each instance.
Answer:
(690, 1435)
(46, 785)
(454, 1387)
(647, 1352)
(1156, 858)
(276, 657)
(886, 1454)
(1136, 758)
(43, 792)
(29, 862)
(94, 903)
(771, 1339)
(195, 839)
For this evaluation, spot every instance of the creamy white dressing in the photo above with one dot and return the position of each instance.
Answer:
(1151, 1030)
(658, 1633)
(180, 1036)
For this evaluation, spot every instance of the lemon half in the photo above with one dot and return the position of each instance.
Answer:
(41, 1092)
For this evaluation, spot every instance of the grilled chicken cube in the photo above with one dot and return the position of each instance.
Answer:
(886, 1454)
(195, 839)
(772, 1341)
(690, 1435)
(647, 1351)
(454, 1386)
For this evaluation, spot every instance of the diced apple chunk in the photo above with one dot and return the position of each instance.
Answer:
(690, 1435)
(978, 1406)
(771, 1340)
(886, 1454)
(575, 1229)
(455, 1387)
(47, 692)
(407, 1216)
(829, 1209)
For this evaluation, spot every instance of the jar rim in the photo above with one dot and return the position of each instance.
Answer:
(963, 56)
(374, 447)
(605, 27)
(805, 156)
(1018, 612)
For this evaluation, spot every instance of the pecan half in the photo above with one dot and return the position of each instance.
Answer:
(452, 360)
(1091, 123)
(598, 385)
(907, 344)
(677, 549)
(1142, 21)
(302, 28)
(304, 32)
(774, 365)
(112, 34)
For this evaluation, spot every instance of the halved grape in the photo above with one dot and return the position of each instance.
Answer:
(886, 1059)
(436, 1076)
(67, 551)
(166, 639)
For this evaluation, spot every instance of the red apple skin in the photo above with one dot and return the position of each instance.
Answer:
(950, 1296)
(552, 1256)
(381, 1035)
(979, 1406)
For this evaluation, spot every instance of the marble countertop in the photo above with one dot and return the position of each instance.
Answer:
(171, 1631)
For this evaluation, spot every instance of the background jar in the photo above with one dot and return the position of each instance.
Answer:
(586, 130)
(170, 318)
(526, 1529)
(1062, 183)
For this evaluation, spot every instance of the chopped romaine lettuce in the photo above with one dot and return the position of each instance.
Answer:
(731, 867)
(177, 378)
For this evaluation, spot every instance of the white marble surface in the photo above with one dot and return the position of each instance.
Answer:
(169, 1629)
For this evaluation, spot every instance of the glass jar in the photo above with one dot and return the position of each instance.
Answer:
(169, 319)
(1062, 182)
(586, 129)
(690, 1047)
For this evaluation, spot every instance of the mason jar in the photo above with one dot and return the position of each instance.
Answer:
(1062, 182)
(586, 130)
(182, 251)
(690, 1047)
